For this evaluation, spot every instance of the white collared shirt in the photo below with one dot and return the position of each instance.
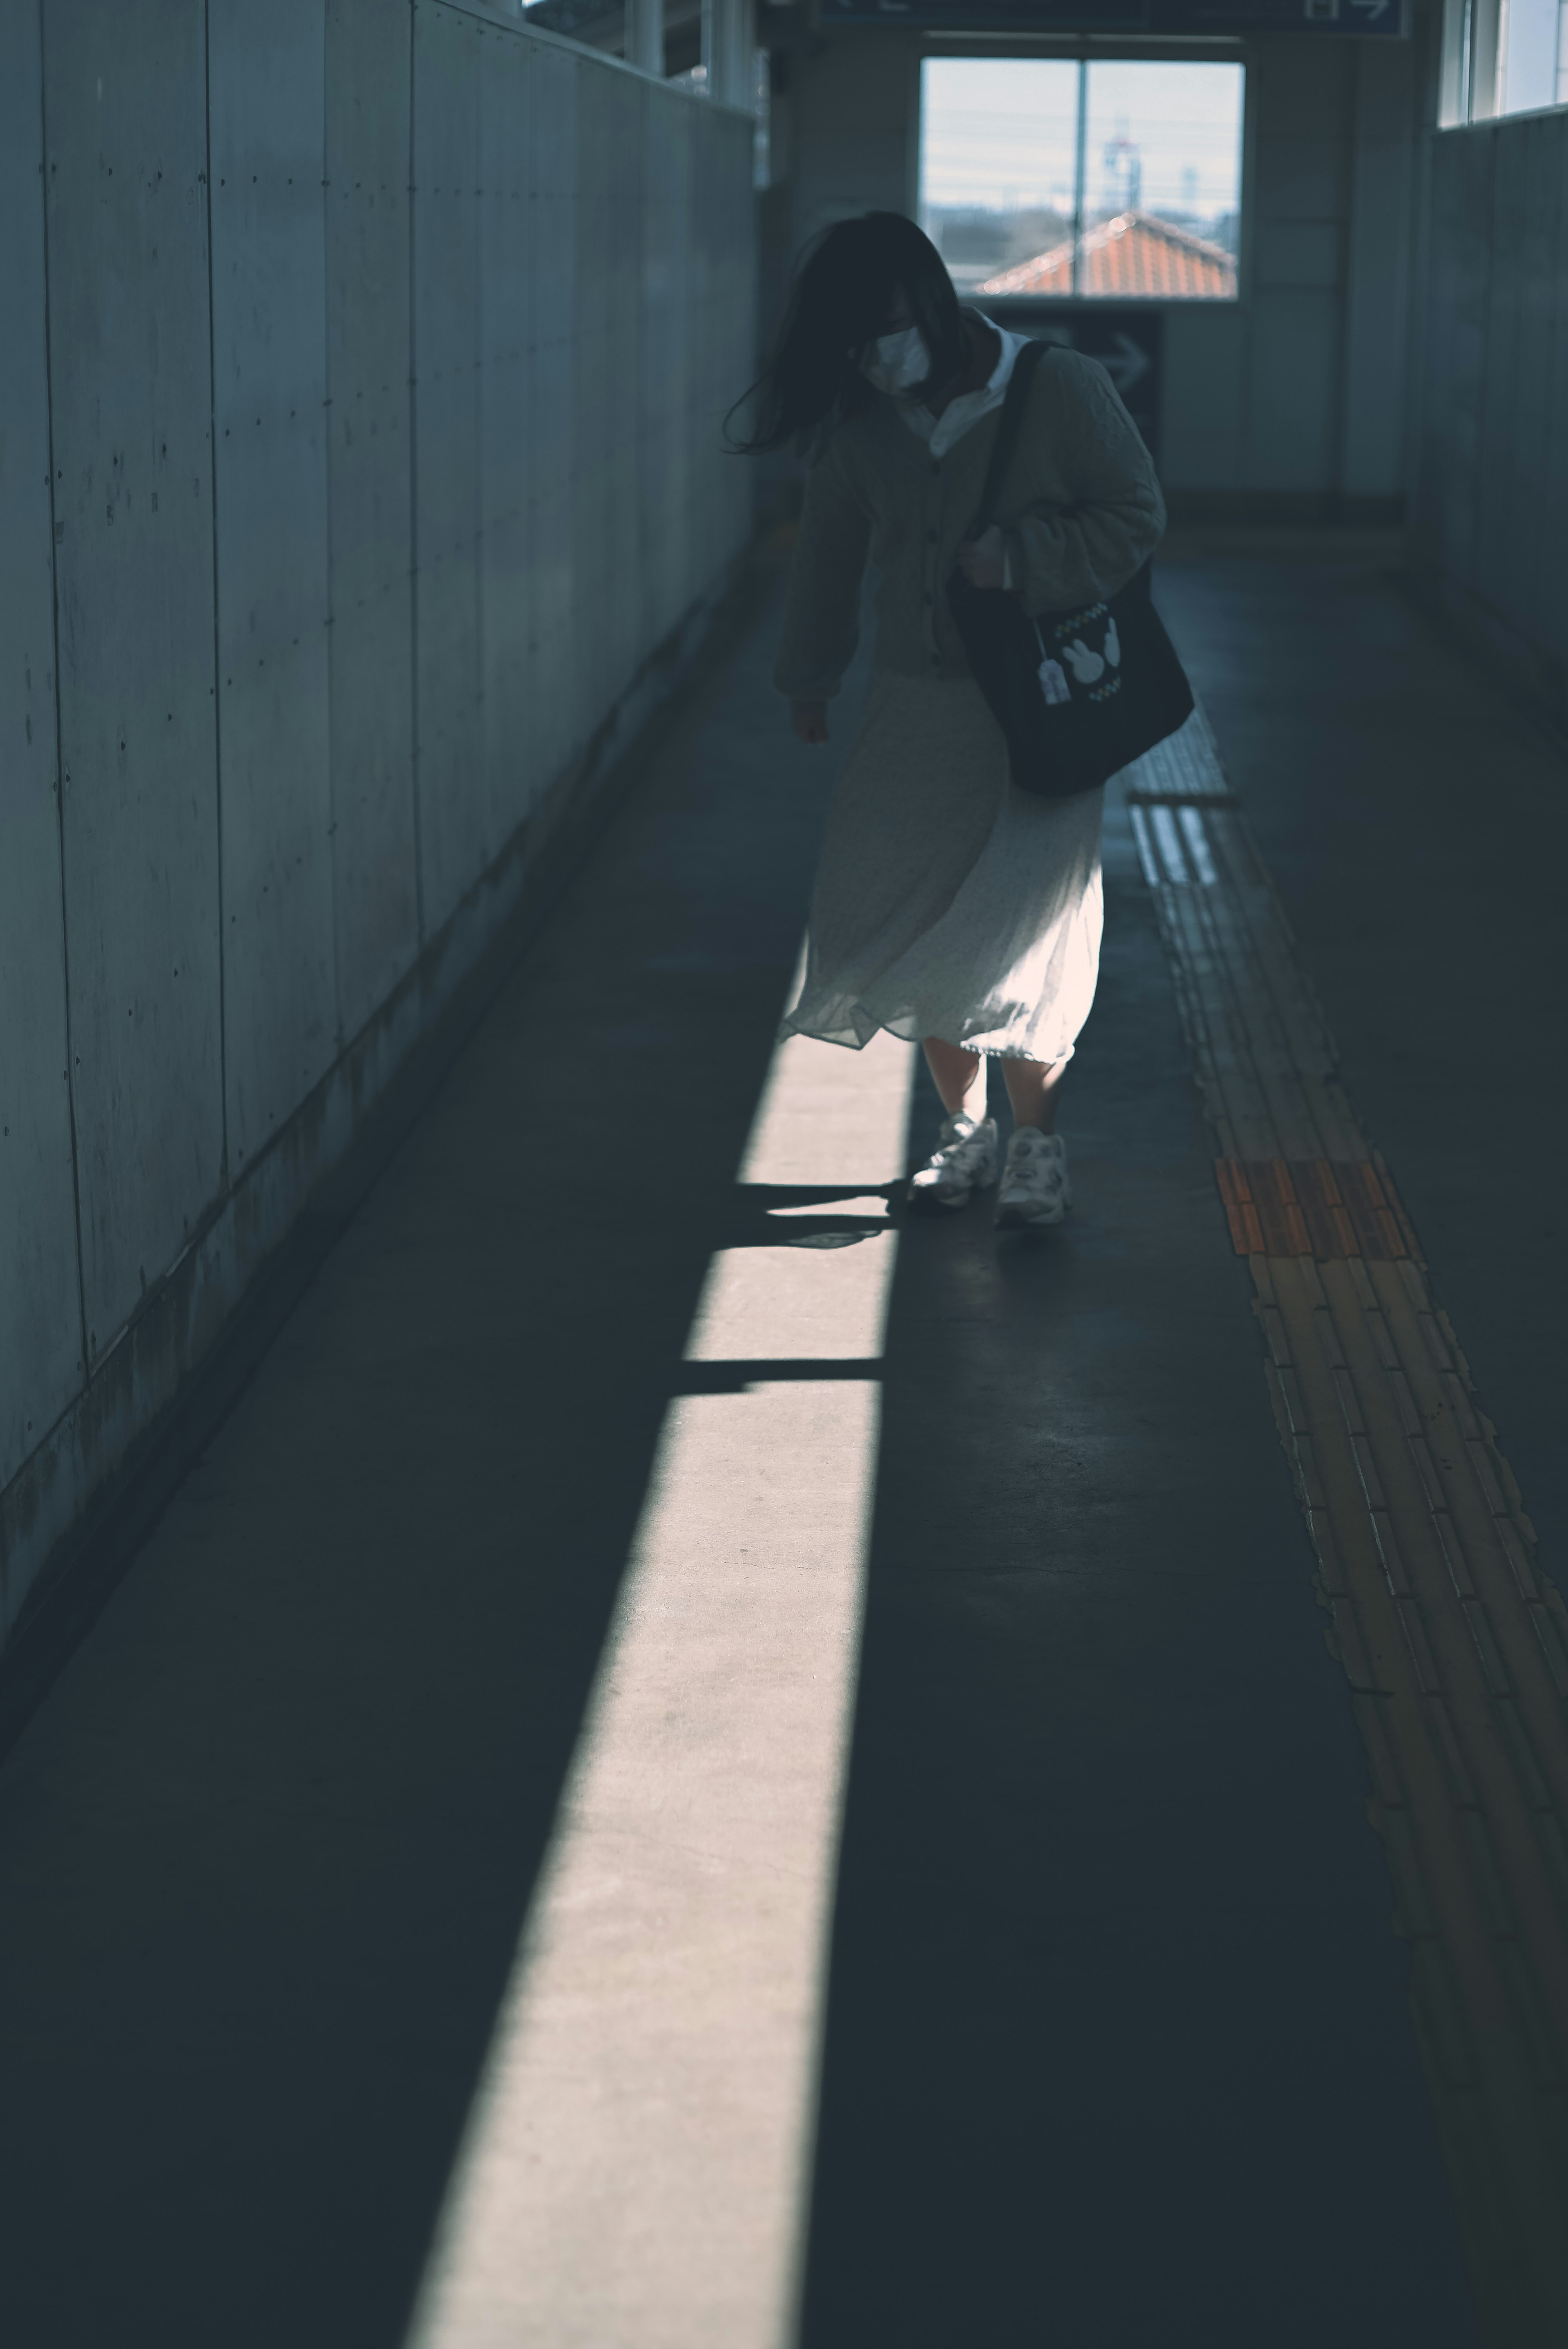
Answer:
(940, 432)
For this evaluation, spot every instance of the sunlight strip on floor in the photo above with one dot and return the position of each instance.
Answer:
(635, 2168)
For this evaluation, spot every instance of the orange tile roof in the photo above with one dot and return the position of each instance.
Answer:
(1133, 254)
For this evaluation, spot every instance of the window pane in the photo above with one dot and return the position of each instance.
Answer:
(1162, 180)
(1528, 77)
(998, 142)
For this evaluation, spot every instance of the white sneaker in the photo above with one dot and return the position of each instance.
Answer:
(963, 1161)
(1035, 1187)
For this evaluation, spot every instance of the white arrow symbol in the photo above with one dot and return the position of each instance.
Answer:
(1375, 8)
(1127, 364)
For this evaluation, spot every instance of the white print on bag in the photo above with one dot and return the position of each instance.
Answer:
(1096, 675)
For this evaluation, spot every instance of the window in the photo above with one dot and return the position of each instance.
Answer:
(1502, 57)
(1109, 178)
(1530, 59)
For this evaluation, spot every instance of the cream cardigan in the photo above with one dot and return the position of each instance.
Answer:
(1080, 511)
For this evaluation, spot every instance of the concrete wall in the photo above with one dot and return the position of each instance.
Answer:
(360, 395)
(1491, 501)
(1292, 400)
(1289, 403)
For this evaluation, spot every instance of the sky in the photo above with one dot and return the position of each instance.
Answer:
(1001, 132)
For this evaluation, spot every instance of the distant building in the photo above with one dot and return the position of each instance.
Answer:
(1133, 254)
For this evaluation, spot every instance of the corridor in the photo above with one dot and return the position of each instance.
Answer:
(699, 1763)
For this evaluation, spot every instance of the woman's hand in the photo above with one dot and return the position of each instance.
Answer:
(983, 560)
(810, 719)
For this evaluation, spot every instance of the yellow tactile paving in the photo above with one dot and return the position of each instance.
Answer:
(1313, 1206)
(1455, 1647)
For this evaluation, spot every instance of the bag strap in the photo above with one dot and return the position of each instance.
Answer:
(1006, 440)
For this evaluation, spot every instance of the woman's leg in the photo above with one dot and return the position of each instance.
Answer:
(1032, 1088)
(960, 1077)
(1035, 1190)
(966, 1161)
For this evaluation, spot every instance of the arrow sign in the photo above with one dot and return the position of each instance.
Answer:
(1125, 363)
(1375, 8)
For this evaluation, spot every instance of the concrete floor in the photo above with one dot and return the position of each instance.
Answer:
(1415, 819)
(1113, 2038)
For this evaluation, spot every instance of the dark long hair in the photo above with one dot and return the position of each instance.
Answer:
(845, 286)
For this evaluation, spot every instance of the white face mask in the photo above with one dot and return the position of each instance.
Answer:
(897, 362)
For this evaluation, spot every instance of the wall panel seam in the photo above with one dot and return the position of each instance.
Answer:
(476, 386)
(59, 733)
(217, 596)
(337, 1039)
(1352, 172)
(413, 381)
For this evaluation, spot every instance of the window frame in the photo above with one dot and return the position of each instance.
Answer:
(1086, 51)
(1472, 48)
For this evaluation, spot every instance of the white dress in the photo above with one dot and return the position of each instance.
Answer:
(946, 903)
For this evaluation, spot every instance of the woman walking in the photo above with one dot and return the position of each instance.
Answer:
(949, 907)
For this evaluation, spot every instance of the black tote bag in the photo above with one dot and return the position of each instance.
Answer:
(1078, 693)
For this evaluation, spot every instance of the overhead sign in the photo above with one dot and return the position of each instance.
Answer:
(1330, 19)
(1383, 19)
